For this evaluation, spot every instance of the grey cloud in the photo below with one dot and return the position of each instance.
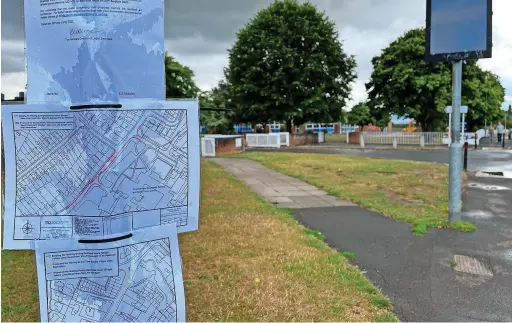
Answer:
(12, 20)
(215, 20)
(13, 56)
(12, 64)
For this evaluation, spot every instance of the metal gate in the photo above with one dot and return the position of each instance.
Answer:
(208, 147)
(271, 140)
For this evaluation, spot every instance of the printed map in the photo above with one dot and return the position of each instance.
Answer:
(94, 172)
(142, 289)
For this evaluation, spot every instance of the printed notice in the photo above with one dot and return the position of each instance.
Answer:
(107, 50)
(44, 121)
(81, 264)
(132, 279)
(90, 172)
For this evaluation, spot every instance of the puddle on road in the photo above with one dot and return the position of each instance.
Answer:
(478, 214)
(494, 174)
(488, 187)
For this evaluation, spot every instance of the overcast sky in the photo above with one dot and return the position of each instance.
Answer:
(199, 32)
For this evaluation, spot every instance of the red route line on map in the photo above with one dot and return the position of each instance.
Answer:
(111, 160)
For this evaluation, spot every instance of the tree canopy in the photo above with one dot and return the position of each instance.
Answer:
(217, 121)
(179, 80)
(403, 83)
(288, 64)
(359, 115)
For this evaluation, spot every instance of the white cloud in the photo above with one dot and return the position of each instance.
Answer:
(501, 61)
(12, 84)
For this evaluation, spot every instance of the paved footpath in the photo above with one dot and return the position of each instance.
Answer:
(415, 272)
(282, 190)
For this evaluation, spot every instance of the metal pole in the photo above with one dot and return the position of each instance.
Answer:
(455, 196)
(465, 167)
(462, 136)
(450, 126)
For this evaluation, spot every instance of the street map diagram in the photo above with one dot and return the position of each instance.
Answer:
(100, 172)
(132, 282)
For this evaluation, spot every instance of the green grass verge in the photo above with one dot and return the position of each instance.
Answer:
(406, 191)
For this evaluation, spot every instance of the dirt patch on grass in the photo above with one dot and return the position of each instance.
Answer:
(401, 198)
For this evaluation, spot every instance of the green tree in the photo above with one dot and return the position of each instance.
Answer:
(179, 80)
(360, 115)
(403, 83)
(217, 98)
(216, 121)
(288, 64)
(205, 99)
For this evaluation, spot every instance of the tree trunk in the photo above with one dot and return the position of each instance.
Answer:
(289, 126)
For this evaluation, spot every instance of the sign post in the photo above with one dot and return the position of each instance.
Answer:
(456, 31)
(464, 111)
(449, 110)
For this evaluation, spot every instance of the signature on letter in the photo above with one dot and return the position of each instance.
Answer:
(80, 31)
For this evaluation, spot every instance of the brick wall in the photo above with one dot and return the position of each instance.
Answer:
(303, 139)
(227, 146)
(353, 137)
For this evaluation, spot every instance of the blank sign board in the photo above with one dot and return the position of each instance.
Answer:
(458, 30)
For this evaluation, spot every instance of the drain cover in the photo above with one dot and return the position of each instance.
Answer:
(470, 265)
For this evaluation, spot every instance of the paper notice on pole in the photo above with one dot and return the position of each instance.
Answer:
(82, 52)
(92, 172)
(135, 279)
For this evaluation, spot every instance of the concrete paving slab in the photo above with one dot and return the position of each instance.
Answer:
(277, 188)
(294, 193)
(279, 199)
(289, 205)
(316, 192)
(310, 201)
(307, 187)
(284, 187)
(268, 192)
(251, 181)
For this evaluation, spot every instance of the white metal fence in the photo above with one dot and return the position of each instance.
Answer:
(321, 137)
(284, 138)
(404, 138)
(265, 140)
(208, 147)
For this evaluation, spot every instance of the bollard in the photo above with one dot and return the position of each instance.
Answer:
(422, 142)
(476, 141)
(361, 141)
(503, 140)
(466, 156)
(395, 144)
